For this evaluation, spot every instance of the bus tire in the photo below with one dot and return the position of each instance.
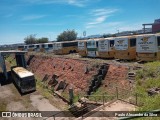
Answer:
(74, 51)
(70, 51)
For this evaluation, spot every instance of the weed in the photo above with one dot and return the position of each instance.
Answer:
(148, 77)
(3, 105)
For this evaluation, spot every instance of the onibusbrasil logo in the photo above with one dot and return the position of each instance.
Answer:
(120, 41)
(145, 39)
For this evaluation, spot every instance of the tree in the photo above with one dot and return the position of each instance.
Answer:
(30, 39)
(68, 35)
(42, 40)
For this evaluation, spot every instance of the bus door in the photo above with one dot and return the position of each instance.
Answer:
(92, 48)
(25, 47)
(50, 47)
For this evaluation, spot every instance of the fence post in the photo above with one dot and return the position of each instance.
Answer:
(103, 98)
(117, 92)
(78, 96)
(54, 117)
(95, 99)
(136, 99)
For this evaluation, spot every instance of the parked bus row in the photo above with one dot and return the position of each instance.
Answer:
(144, 47)
(56, 47)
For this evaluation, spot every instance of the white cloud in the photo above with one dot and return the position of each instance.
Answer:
(90, 26)
(106, 25)
(98, 20)
(32, 17)
(99, 16)
(43, 24)
(99, 12)
(78, 3)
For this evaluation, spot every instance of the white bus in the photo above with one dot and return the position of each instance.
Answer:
(92, 46)
(37, 47)
(125, 47)
(23, 47)
(106, 48)
(24, 79)
(66, 47)
(82, 48)
(47, 47)
(31, 47)
(148, 47)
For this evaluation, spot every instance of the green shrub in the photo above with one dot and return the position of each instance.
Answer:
(147, 78)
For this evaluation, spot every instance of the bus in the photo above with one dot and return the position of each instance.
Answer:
(125, 47)
(148, 47)
(23, 47)
(82, 48)
(92, 46)
(24, 79)
(54, 46)
(31, 47)
(106, 48)
(66, 47)
(37, 47)
(47, 47)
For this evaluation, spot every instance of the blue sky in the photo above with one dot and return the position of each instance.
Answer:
(48, 18)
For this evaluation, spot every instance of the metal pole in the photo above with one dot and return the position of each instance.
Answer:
(117, 92)
(144, 29)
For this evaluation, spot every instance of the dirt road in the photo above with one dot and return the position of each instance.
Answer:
(12, 100)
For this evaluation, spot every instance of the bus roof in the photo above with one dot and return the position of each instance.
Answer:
(22, 72)
(67, 41)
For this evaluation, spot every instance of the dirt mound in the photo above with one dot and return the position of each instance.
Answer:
(116, 76)
(72, 72)
(69, 70)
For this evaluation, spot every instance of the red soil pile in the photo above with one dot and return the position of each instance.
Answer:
(116, 76)
(70, 70)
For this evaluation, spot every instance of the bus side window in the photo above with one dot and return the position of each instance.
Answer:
(31, 46)
(89, 43)
(86, 44)
(133, 42)
(111, 43)
(70, 44)
(43, 46)
(158, 40)
(96, 43)
(50, 45)
(37, 46)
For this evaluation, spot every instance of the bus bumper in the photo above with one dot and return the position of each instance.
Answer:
(106, 54)
(82, 53)
(146, 56)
